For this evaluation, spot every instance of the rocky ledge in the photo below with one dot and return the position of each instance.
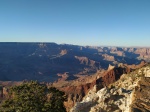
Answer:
(129, 94)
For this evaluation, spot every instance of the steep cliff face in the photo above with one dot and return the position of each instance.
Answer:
(76, 90)
(76, 93)
(129, 94)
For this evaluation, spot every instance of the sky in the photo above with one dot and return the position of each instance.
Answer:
(78, 22)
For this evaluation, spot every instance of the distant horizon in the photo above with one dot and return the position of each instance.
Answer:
(83, 45)
(92, 23)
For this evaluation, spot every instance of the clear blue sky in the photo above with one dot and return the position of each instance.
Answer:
(81, 22)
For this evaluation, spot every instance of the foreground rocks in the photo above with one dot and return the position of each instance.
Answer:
(129, 94)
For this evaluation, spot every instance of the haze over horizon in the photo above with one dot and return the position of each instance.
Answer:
(94, 23)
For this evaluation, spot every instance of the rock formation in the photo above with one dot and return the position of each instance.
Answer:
(78, 88)
(129, 94)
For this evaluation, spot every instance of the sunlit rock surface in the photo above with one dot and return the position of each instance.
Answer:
(129, 94)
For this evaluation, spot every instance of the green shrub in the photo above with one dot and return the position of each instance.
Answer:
(33, 97)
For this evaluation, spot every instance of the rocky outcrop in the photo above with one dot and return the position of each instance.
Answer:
(108, 57)
(129, 94)
(112, 75)
(63, 52)
(144, 53)
(78, 88)
(110, 67)
(86, 61)
(76, 93)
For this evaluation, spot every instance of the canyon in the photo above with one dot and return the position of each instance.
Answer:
(46, 61)
(84, 73)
